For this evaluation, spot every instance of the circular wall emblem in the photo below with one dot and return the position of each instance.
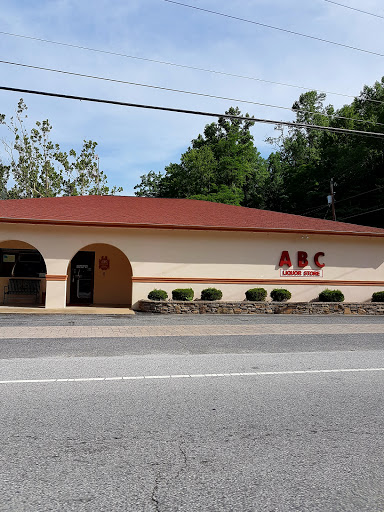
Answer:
(104, 263)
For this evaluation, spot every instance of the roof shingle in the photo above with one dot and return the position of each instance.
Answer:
(166, 213)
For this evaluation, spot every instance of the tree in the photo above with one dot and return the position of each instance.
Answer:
(222, 165)
(38, 168)
(150, 185)
(307, 159)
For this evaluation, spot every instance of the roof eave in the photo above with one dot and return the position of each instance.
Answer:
(254, 229)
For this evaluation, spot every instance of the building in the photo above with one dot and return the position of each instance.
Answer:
(112, 250)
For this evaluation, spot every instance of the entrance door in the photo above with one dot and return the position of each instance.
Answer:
(82, 272)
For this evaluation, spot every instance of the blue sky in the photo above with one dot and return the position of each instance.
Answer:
(132, 141)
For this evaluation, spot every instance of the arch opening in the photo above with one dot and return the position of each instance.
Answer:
(101, 275)
(22, 274)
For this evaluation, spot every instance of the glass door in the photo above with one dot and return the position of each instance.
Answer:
(82, 277)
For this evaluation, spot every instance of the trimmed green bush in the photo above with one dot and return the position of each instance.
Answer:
(280, 294)
(157, 295)
(378, 297)
(331, 296)
(211, 294)
(182, 294)
(256, 294)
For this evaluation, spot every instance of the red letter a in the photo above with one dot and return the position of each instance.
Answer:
(285, 259)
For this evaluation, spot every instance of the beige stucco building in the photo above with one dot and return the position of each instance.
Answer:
(114, 250)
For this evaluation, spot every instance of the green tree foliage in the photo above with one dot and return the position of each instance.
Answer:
(36, 167)
(222, 165)
(306, 160)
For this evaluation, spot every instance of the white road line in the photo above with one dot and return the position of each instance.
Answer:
(191, 376)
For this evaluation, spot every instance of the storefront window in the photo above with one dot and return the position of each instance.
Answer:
(21, 263)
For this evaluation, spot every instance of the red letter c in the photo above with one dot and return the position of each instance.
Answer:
(316, 258)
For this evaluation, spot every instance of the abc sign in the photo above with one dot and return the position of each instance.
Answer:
(302, 259)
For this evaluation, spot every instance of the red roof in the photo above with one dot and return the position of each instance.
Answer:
(148, 212)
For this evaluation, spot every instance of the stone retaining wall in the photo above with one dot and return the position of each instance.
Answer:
(261, 308)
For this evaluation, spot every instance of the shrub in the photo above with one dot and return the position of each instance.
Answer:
(280, 295)
(331, 296)
(182, 294)
(256, 294)
(378, 297)
(157, 295)
(211, 294)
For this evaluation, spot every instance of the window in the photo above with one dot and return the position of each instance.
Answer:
(21, 263)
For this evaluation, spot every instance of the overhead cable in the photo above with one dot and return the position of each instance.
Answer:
(313, 210)
(362, 213)
(185, 66)
(195, 112)
(276, 28)
(194, 93)
(354, 9)
(358, 195)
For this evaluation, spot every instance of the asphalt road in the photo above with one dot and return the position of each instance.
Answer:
(267, 422)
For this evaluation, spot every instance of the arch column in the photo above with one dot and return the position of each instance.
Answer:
(111, 276)
(56, 291)
(19, 266)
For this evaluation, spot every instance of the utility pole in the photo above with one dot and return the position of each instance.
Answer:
(331, 198)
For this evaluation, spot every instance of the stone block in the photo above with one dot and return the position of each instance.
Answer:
(252, 308)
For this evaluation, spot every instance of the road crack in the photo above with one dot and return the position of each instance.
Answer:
(155, 499)
(182, 450)
(185, 460)
(154, 496)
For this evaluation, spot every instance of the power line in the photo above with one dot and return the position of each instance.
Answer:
(326, 213)
(355, 9)
(378, 135)
(185, 66)
(313, 210)
(362, 213)
(276, 28)
(181, 91)
(361, 194)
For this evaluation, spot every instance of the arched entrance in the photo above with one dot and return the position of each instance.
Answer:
(22, 274)
(99, 274)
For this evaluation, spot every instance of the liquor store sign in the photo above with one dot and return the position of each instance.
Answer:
(302, 261)
(301, 273)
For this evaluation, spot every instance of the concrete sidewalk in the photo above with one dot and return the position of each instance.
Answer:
(52, 332)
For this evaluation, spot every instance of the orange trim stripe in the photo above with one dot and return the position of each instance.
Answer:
(215, 280)
(53, 277)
